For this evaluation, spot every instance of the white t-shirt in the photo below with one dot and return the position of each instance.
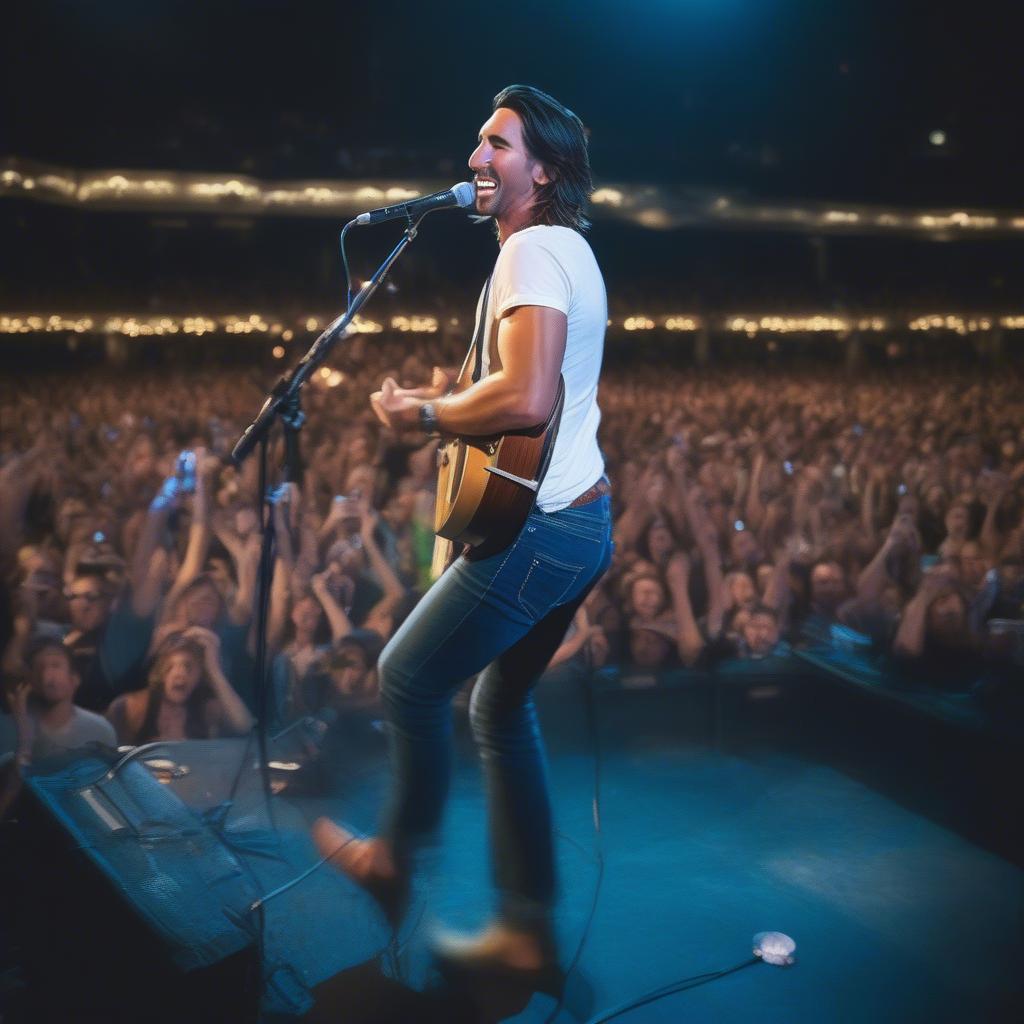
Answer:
(553, 266)
(81, 728)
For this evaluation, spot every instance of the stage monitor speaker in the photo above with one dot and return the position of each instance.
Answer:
(128, 906)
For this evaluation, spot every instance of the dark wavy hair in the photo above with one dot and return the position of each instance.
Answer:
(556, 137)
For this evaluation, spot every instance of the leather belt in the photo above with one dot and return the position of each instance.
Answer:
(592, 493)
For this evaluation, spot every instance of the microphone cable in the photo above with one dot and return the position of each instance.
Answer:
(344, 263)
(666, 990)
(586, 684)
(671, 989)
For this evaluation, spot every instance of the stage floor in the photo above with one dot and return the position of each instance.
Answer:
(896, 918)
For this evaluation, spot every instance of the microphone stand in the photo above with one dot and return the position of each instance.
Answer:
(284, 403)
(288, 386)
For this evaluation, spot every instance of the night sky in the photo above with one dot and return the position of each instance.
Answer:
(777, 98)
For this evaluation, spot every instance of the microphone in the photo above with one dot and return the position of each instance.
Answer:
(462, 195)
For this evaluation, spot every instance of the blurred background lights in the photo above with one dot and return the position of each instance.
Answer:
(418, 323)
(658, 207)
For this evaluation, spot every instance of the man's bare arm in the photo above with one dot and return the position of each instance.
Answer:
(531, 343)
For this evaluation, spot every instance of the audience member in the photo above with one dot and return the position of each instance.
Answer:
(187, 696)
(47, 719)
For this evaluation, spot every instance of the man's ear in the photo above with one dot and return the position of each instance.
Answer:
(541, 176)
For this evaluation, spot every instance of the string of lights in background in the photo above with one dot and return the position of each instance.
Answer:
(649, 206)
(285, 329)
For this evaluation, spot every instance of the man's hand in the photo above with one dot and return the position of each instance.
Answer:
(438, 386)
(396, 407)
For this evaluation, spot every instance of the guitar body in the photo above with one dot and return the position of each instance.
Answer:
(487, 486)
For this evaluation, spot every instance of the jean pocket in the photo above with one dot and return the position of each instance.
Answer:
(545, 585)
(575, 523)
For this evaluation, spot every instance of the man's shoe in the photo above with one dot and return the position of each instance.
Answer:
(500, 950)
(369, 863)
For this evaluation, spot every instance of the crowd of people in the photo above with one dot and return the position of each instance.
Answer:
(755, 512)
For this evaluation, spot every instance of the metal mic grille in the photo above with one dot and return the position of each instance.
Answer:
(465, 193)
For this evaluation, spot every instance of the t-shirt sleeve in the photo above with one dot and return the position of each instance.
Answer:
(529, 273)
(105, 732)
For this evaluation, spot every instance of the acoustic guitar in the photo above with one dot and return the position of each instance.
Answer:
(487, 486)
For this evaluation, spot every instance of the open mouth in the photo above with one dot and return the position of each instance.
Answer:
(485, 186)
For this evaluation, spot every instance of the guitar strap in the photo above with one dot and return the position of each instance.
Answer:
(482, 333)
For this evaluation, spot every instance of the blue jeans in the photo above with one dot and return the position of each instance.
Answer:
(502, 616)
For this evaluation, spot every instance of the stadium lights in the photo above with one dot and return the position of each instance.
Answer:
(135, 326)
(655, 207)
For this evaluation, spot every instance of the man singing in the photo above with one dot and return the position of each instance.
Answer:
(503, 615)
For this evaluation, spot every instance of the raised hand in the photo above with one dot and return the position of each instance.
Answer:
(368, 519)
(677, 572)
(210, 643)
(208, 464)
(654, 489)
(935, 580)
(18, 697)
(675, 459)
(903, 533)
(706, 535)
(793, 548)
(993, 487)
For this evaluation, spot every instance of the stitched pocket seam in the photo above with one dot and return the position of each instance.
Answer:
(575, 570)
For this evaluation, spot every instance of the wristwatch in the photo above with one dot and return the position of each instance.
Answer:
(428, 418)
